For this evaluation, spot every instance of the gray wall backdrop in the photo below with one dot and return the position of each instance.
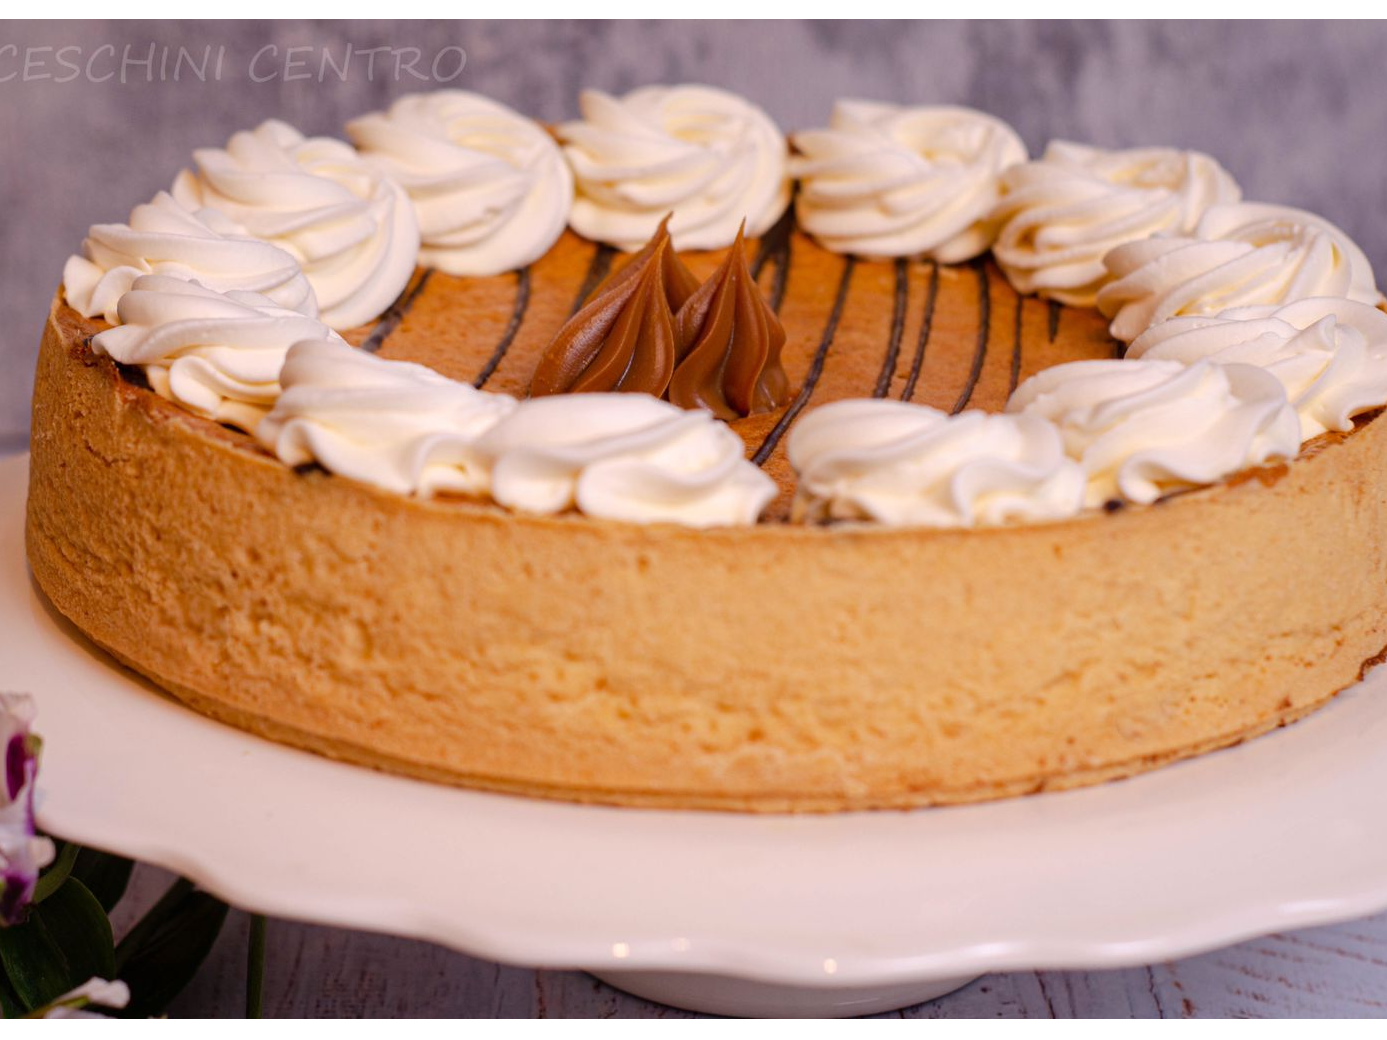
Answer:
(1298, 112)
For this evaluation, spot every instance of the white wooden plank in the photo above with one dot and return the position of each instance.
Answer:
(314, 971)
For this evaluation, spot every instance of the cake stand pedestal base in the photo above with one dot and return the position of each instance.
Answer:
(743, 998)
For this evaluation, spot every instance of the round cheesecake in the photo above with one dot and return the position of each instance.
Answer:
(775, 667)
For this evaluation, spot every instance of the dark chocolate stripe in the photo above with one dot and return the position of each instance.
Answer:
(926, 323)
(984, 327)
(597, 270)
(773, 243)
(1016, 347)
(517, 315)
(816, 367)
(395, 313)
(775, 248)
(893, 348)
(1055, 311)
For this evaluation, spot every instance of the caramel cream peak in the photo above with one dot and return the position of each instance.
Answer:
(623, 339)
(679, 282)
(729, 343)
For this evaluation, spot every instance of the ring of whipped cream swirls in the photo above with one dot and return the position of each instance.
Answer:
(1252, 328)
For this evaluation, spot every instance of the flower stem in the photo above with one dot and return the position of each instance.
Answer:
(52, 879)
(255, 968)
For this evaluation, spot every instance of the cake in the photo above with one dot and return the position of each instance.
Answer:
(976, 545)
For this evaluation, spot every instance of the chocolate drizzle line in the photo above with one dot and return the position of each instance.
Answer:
(775, 247)
(1055, 310)
(816, 367)
(1016, 348)
(926, 323)
(893, 348)
(597, 270)
(984, 327)
(395, 313)
(517, 315)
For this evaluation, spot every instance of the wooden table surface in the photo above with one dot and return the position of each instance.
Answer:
(1335, 971)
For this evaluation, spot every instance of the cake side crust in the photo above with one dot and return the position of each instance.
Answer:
(829, 669)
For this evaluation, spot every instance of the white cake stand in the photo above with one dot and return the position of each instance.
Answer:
(779, 915)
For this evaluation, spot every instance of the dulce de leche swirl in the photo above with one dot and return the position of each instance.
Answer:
(729, 345)
(623, 339)
(651, 328)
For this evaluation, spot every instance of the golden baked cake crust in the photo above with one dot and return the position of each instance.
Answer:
(777, 667)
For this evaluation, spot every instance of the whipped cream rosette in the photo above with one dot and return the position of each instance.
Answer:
(905, 464)
(1062, 213)
(624, 457)
(710, 157)
(350, 226)
(490, 187)
(397, 425)
(1330, 354)
(1242, 254)
(162, 237)
(218, 355)
(1145, 428)
(405, 428)
(889, 180)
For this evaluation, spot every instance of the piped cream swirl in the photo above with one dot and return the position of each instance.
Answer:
(1142, 429)
(218, 355)
(707, 155)
(394, 424)
(1243, 254)
(490, 187)
(162, 237)
(350, 226)
(1329, 354)
(886, 180)
(408, 429)
(624, 457)
(1062, 213)
(904, 464)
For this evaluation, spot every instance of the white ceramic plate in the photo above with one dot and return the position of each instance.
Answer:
(855, 912)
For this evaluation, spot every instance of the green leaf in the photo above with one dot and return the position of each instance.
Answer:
(66, 941)
(10, 1004)
(105, 874)
(169, 950)
(35, 966)
(77, 921)
(57, 872)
